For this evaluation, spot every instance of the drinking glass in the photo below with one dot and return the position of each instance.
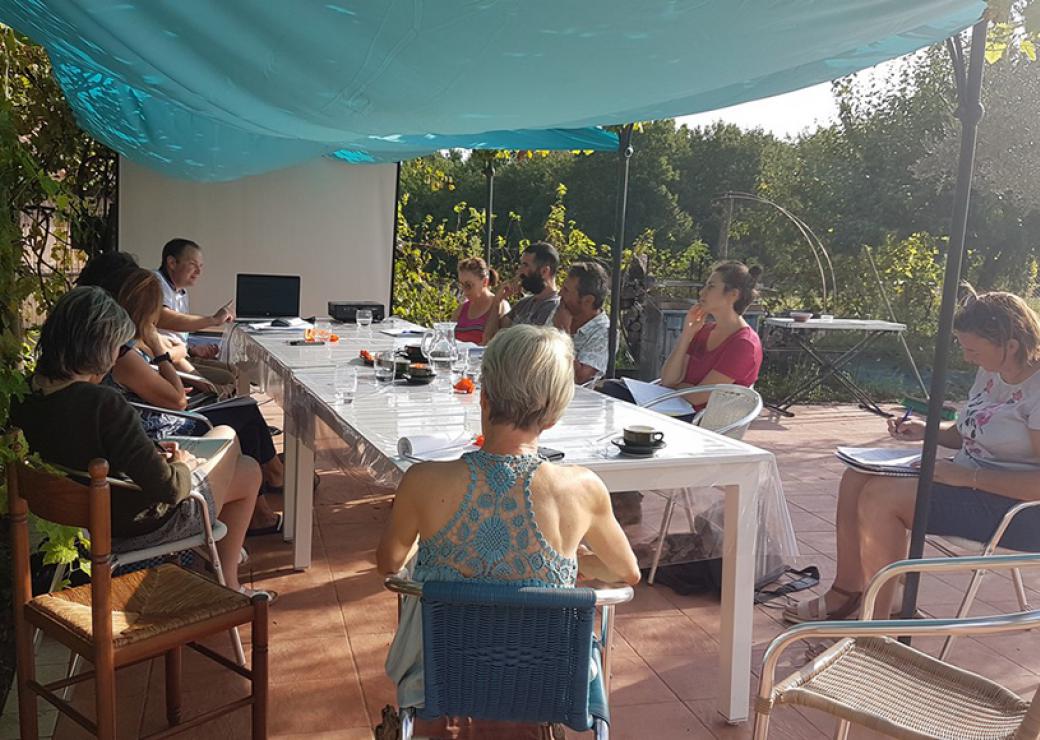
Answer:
(364, 318)
(345, 383)
(473, 363)
(384, 366)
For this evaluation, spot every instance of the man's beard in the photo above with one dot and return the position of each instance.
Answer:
(534, 284)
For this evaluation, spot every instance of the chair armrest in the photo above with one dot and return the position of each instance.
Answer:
(605, 596)
(185, 414)
(112, 481)
(941, 565)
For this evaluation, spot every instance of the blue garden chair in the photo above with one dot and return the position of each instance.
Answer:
(514, 653)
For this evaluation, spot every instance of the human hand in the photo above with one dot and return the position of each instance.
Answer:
(695, 318)
(508, 291)
(910, 430)
(223, 315)
(205, 351)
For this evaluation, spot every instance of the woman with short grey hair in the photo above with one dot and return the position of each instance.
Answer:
(502, 514)
(69, 419)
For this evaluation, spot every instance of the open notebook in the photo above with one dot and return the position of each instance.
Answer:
(206, 449)
(881, 460)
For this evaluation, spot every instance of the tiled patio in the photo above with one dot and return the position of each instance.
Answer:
(331, 626)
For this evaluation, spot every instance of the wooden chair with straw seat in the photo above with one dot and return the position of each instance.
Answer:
(869, 679)
(116, 622)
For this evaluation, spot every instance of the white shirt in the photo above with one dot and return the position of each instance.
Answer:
(996, 423)
(175, 299)
(591, 342)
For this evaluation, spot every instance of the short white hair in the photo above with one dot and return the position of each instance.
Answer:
(528, 376)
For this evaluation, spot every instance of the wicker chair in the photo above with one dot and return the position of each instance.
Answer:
(867, 678)
(115, 622)
(513, 653)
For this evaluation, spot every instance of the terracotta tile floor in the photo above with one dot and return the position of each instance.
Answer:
(331, 626)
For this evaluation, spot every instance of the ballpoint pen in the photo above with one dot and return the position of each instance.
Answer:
(906, 417)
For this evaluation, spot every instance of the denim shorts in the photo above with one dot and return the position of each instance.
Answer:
(975, 515)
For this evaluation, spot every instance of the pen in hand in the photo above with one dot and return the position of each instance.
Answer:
(906, 418)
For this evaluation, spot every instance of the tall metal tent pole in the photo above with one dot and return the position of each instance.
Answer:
(969, 111)
(489, 173)
(624, 156)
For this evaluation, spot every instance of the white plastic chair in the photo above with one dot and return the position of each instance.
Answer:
(944, 544)
(729, 412)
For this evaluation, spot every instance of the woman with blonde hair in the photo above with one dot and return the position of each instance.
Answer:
(996, 465)
(502, 514)
(476, 280)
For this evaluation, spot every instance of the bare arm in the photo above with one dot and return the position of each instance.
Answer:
(1021, 485)
(673, 372)
(611, 558)
(401, 535)
(171, 320)
(912, 430)
(583, 373)
(163, 388)
(495, 318)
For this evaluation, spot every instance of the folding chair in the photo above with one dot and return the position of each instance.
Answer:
(514, 653)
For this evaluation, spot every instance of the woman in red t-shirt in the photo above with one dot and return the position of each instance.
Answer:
(725, 350)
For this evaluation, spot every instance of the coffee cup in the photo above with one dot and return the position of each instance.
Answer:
(642, 436)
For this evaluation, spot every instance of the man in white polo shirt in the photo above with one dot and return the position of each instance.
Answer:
(181, 268)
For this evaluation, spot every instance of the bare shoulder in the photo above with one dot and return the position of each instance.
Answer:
(429, 476)
(575, 480)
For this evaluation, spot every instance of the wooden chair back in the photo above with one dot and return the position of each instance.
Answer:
(64, 501)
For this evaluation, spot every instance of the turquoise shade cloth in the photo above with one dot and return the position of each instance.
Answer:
(219, 89)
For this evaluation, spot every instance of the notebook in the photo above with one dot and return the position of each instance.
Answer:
(881, 460)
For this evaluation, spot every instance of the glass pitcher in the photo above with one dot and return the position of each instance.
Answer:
(439, 348)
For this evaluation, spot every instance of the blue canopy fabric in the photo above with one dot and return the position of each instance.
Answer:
(219, 89)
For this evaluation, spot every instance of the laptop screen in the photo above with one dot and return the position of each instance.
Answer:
(263, 296)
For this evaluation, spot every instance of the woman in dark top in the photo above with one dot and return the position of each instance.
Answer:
(70, 419)
(135, 373)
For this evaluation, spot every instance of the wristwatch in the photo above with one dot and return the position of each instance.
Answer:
(164, 357)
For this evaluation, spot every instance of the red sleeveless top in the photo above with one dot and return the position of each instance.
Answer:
(470, 330)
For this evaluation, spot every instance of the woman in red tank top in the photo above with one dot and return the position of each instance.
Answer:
(476, 280)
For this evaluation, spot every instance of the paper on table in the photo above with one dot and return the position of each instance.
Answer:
(434, 446)
(406, 332)
(643, 393)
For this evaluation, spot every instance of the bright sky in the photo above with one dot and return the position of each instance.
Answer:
(783, 115)
(789, 114)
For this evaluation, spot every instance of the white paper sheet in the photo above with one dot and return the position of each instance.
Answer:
(643, 393)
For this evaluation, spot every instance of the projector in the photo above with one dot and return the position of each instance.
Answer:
(346, 311)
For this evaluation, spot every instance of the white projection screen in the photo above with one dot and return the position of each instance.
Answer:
(328, 222)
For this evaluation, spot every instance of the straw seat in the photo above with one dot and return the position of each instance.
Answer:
(891, 688)
(145, 604)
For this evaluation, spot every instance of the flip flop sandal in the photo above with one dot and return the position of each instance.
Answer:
(272, 596)
(275, 528)
(275, 431)
(805, 612)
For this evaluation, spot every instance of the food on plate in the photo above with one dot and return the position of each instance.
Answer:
(367, 357)
(465, 385)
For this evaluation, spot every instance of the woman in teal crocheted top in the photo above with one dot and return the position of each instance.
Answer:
(502, 514)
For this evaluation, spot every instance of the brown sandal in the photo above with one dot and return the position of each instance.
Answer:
(805, 612)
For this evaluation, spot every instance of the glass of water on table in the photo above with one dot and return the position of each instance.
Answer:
(384, 366)
(364, 319)
(345, 383)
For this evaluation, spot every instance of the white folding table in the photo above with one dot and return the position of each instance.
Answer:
(303, 380)
(803, 331)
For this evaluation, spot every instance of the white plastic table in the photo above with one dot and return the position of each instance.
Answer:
(802, 333)
(303, 378)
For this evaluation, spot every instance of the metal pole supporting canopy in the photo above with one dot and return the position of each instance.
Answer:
(624, 155)
(969, 111)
